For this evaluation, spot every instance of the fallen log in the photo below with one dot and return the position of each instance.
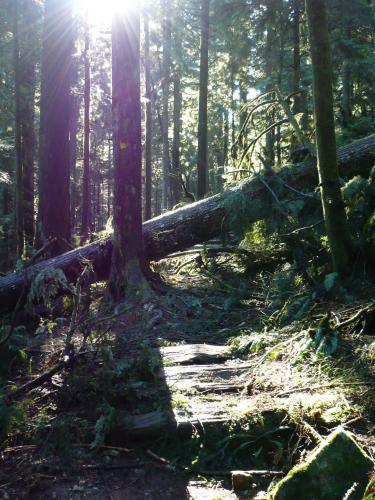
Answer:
(197, 222)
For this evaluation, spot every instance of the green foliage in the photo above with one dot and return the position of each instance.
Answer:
(103, 425)
(59, 439)
(246, 343)
(12, 417)
(330, 281)
(238, 207)
(359, 198)
(46, 286)
(12, 350)
(149, 362)
(325, 338)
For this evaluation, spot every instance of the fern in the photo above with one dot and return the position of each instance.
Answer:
(46, 286)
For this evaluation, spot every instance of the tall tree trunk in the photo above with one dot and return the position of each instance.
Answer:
(25, 13)
(109, 187)
(233, 113)
(333, 206)
(128, 260)
(29, 61)
(98, 206)
(73, 130)
(243, 112)
(203, 97)
(86, 181)
(346, 105)
(54, 196)
(226, 137)
(346, 94)
(176, 185)
(167, 35)
(296, 76)
(268, 69)
(18, 134)
(148, 145)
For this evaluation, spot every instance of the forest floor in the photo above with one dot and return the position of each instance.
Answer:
(222, 372)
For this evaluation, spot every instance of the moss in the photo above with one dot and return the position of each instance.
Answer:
(329, 473)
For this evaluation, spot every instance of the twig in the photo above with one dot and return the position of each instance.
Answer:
(323, 386)
(297, 129)
(352, 421)
(31, 447)
(103, 447)
(356, 316)
(300, 229)
(305, 426)
(190, 470)
(184, 264)
(305, 195)
(101, 467)
(272, 349)
(274, 195)
(259, 136)
(33, 384)
(213, 251)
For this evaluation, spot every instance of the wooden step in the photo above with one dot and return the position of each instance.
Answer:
(188, 354)
(211, 390)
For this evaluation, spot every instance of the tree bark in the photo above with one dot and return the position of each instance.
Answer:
(86, 181)
(175, 178)
(203, 96)
(28, 86)
(25, 12)
(148, 145)
(128, 261)
(167, 35)
(109, 187)
(269, 74)
(18, 134)
(54, 179)
(296, 76)
(333, 205)
(194, 223)
(73, 130)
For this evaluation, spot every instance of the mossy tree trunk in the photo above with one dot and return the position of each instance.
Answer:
(333, 206)
(128, 261)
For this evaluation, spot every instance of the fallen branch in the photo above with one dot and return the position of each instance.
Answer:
(38, 381)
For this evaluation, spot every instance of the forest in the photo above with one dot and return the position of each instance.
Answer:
(187, 249)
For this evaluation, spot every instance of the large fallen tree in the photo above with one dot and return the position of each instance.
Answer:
(197, 222)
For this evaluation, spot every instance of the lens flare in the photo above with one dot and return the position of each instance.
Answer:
(101, 11)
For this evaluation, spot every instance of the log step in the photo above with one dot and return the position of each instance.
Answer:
(201, 395)
(188, 354)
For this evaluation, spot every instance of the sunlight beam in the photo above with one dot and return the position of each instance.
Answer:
(101, 11)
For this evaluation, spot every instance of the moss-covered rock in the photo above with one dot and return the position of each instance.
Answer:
(334, 468)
